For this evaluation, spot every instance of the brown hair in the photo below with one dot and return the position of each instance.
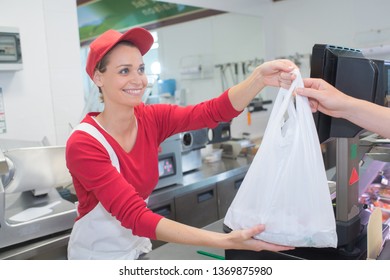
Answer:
(101, 66)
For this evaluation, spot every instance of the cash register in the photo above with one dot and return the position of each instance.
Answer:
(354, 74)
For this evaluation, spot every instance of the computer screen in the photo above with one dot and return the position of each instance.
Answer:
(351, 72)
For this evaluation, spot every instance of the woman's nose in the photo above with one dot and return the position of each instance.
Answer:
(138, 79)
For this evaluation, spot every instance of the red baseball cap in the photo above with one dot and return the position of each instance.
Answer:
(140, 37)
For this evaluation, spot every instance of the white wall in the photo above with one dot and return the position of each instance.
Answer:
(46, 96)
(281, 29)
(296, 25)
(218, 39)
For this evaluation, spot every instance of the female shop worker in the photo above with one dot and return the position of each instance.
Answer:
(112, 156)
(329, 100)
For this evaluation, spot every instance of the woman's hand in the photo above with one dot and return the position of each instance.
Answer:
(243, 240)
(171, 231)
(276, 73)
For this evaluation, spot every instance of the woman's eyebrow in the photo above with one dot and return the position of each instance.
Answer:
(129, 65)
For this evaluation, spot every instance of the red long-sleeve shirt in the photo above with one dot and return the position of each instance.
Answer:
(123, 194)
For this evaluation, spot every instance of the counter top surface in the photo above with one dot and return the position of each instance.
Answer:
(172, 251)
(209, 173)
(54, 246)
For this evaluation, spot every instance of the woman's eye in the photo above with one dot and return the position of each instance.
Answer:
(141, 70)
(124, 71)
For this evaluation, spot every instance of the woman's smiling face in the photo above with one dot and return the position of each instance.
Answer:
(124, 80)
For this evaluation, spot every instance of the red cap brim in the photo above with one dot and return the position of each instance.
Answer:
(140, 37)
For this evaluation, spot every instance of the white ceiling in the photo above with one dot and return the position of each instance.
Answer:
(248, 7)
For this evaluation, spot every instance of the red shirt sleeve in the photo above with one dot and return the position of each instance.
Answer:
(172, 119)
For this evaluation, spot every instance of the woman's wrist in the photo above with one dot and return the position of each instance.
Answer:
(220, 240)
(256, 81)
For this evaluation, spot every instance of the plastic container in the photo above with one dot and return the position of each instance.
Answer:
(167, 87)
(214, 156)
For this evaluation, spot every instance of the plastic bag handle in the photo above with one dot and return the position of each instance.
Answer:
(287, 101)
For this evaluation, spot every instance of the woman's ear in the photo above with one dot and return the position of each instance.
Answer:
(97, 78)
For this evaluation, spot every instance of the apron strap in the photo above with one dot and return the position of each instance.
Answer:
(95, 133)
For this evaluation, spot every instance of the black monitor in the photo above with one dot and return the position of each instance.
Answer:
(352, 73)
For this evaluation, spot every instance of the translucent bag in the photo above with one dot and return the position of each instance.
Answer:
(286, 188)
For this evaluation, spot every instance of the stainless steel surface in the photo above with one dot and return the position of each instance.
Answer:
(347, 191)
(227, 190)
(191, 143)
(209, 173)
(173, 251)
(50, 247)
(15, 230)
(233, 147)
(170, 162)
(375, 139)
(198, 208)
(39, 169)
(30, 204)
(3, 164)
(191, 160)
(379, 156)
(9, 144)
(380, 153)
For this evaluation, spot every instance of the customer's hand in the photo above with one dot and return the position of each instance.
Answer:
(324, 97)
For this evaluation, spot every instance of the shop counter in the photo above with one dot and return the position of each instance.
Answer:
(172, 251)
(54, 246)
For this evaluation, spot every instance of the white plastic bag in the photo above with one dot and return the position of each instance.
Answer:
(286, 187)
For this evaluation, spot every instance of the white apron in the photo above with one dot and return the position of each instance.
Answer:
(98, 235)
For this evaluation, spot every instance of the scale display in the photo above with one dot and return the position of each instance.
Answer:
(166, 167)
